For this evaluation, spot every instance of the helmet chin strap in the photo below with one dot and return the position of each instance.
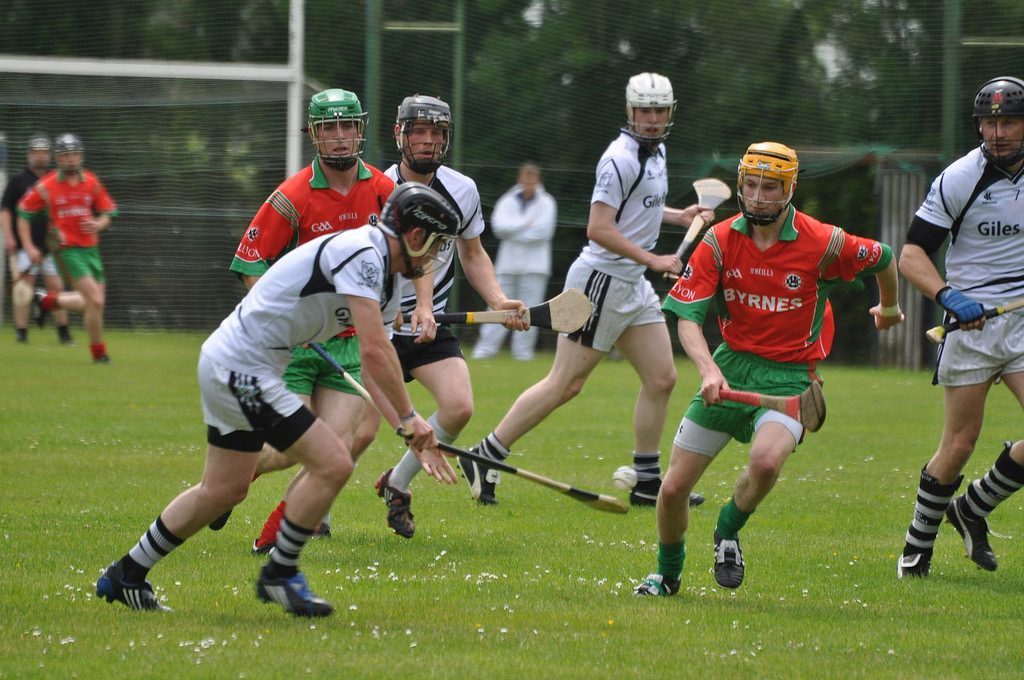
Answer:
(1002, 162)
(338, 162)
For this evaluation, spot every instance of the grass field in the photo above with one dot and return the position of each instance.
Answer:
(539, 586)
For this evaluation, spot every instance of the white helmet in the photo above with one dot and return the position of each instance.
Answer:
(649, 91)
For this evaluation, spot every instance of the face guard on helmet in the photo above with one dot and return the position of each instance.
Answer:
(649, 91)
(68, 143)
(1000, 97)
(415, 206)
(336, 125)
(767, 160)
(414, 112)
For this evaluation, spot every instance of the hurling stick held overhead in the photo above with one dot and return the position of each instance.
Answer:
(597, 501)
(565, 313)
(807, 407)
(938, 333)
(711, 193)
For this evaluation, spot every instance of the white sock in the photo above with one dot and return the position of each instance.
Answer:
(409, 466)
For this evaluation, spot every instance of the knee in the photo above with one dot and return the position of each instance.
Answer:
(227, 496)
(765, 468)
(663, 383)
(339, 468)
(456, 416)
(673, 487)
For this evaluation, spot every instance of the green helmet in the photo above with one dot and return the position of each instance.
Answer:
(333, 106)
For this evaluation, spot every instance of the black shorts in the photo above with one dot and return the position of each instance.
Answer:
(412, 356)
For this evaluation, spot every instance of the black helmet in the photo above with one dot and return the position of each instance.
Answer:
(68, 143)
(413, 205)
(421, 108)
(1002, 96)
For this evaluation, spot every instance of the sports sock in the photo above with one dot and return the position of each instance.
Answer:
(98, 350)
(731, 519)
(932, 500)
(409, 466)
(63, 333)
(154, 545)
(492, 447)
(291, 538)
(1004, 478)
(647, 466)
(48, 302)
(670, 559)
(21, 334)
(268, 534)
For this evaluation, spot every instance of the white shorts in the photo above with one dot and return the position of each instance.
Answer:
(973, 357)
(617, 304)
(22, 264)
(234, 401)
(707, 442)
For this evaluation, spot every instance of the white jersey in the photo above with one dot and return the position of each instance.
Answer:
(634, 181)
(987, 259)
(461, 192)
(304, 298)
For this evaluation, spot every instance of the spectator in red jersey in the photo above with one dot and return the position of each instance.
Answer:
(79, 208)
(767, 271)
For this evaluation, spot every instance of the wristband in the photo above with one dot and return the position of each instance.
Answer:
(401, 430)
(891, 311)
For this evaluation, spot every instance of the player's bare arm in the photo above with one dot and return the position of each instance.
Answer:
(917, 267)
(682, 217)
(480, 272)
(422, 320)
(601, 229)
(379, 360)
(691, 337)
(887, 312)
(95, 224)
(25, 232)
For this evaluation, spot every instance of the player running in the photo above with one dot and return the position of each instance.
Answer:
(331, 283)
(977, 203)
(768, 272)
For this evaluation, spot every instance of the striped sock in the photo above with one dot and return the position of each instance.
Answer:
(409, 466)
(284, 559)
(154, 545)
(647, 466)
(730, 520)
(932, 500)
(1004, 478)
(492, 447)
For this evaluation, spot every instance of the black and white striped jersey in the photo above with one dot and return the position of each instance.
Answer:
(304, 298)
(986, 258)
(461, 192)
(634, 181)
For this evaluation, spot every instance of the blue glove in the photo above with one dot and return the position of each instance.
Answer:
(959, 305)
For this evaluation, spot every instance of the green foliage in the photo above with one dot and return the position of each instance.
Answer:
(536, 586)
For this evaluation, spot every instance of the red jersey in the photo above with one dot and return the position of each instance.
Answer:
(304, 207)
(66, 204)
(774, 303)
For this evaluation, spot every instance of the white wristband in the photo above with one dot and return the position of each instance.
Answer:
(891, 311)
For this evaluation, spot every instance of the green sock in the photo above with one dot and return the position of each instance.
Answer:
(730, 520)
(670, 559)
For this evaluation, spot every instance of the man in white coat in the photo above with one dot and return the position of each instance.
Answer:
(524, 219)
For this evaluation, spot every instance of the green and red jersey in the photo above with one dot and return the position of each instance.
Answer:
(67, 203)
(304, 207)
(774, 303)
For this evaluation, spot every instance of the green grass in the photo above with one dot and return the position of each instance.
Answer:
(537, 586)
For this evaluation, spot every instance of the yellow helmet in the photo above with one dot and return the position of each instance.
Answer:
(773, 161)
